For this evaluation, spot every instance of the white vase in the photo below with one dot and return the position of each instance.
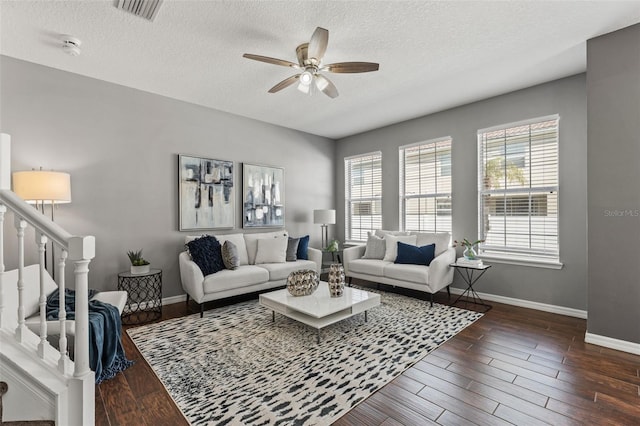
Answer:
(142, 269)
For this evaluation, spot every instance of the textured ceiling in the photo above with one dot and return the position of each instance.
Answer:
(433, 55)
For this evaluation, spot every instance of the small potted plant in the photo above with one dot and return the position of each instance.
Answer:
(138, 263)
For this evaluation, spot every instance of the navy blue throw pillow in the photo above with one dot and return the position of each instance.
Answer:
(303, 248)
(206, 252)
(414, 255)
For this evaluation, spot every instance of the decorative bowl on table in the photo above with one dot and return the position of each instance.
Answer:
(303, 282)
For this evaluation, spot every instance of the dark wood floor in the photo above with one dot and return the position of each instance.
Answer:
(513, 366)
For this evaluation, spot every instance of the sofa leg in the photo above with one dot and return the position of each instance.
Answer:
(201, 310)
(432, 300)
(187, 299)
(449, 291)
(350, 281)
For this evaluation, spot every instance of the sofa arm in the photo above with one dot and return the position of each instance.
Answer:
(316, 256)
(440, 273)
(191, 277)
(352, 253)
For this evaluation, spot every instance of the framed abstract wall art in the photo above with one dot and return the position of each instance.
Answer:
(262, 196)
(207, 199)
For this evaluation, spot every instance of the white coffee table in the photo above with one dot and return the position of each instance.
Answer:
(319, 310)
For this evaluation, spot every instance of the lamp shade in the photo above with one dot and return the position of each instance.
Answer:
(42, 186)
(325, 217)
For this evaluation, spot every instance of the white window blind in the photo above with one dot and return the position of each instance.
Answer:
(425, 186)
(518, 189)
(363, 195)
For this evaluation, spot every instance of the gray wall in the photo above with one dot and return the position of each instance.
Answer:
(120, 146)
(567, 97)
(613, 88)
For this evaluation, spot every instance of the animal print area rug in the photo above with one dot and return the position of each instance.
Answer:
(237, 367)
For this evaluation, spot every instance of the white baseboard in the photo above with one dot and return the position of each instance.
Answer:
(165, 301)
(609, 342)
(555, 309)
(174, 299)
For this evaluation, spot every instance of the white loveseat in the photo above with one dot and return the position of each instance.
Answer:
(429, 279)
(249, 277)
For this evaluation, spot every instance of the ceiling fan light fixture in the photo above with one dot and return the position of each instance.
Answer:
(304, 88)
(306, 77)
(321, 84)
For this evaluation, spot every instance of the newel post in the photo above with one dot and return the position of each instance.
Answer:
(81, 251)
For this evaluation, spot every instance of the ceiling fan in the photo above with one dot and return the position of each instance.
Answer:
(310, 66)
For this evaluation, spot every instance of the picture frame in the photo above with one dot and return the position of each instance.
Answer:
(263, 201)
(206, 193)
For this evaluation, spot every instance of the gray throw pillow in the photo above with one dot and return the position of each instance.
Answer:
(230, 255)
(292, 249)
(376, 248)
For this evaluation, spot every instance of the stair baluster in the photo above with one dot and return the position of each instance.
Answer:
(21, 328)
(41, 240)
(63, 362)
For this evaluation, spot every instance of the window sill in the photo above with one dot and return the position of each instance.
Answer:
(523, 261)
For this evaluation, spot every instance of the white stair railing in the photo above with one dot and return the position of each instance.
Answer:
(80, 251)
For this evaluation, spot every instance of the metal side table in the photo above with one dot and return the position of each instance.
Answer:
(144, 300)
(467, 273)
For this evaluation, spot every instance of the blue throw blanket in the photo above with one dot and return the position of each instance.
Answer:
(106, 354)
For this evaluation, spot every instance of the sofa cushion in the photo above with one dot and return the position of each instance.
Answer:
(292, 249)
(244, 276)
(376, 248)
(413, 273)
(251, 241)
(230, 255)
(383, 233)
(238, 241)
(442, 240)
(391, 251)
(303, 248)
(368, 266)
(280, 271)
(272, 250)
(31, 289)
(414, 255)
(206, 252)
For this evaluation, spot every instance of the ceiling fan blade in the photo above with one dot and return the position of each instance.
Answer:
(284, 83)
(318, 44)
(327, 87)
(352, 67)
(271, 60)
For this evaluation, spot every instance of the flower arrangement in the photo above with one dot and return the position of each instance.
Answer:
(467, 243)
(333, 246)
(469, 250)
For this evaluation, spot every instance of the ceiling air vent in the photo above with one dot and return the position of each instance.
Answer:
(147, 9)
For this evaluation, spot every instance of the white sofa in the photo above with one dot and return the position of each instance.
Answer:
(249, 277)
(429, 279)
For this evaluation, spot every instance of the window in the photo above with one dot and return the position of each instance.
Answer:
(425, 186)
(363, 195)
(518, 190)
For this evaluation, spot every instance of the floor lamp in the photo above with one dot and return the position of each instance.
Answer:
(324, 218)
(42, 187)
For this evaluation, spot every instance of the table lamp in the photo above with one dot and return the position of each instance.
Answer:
(324, 218)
